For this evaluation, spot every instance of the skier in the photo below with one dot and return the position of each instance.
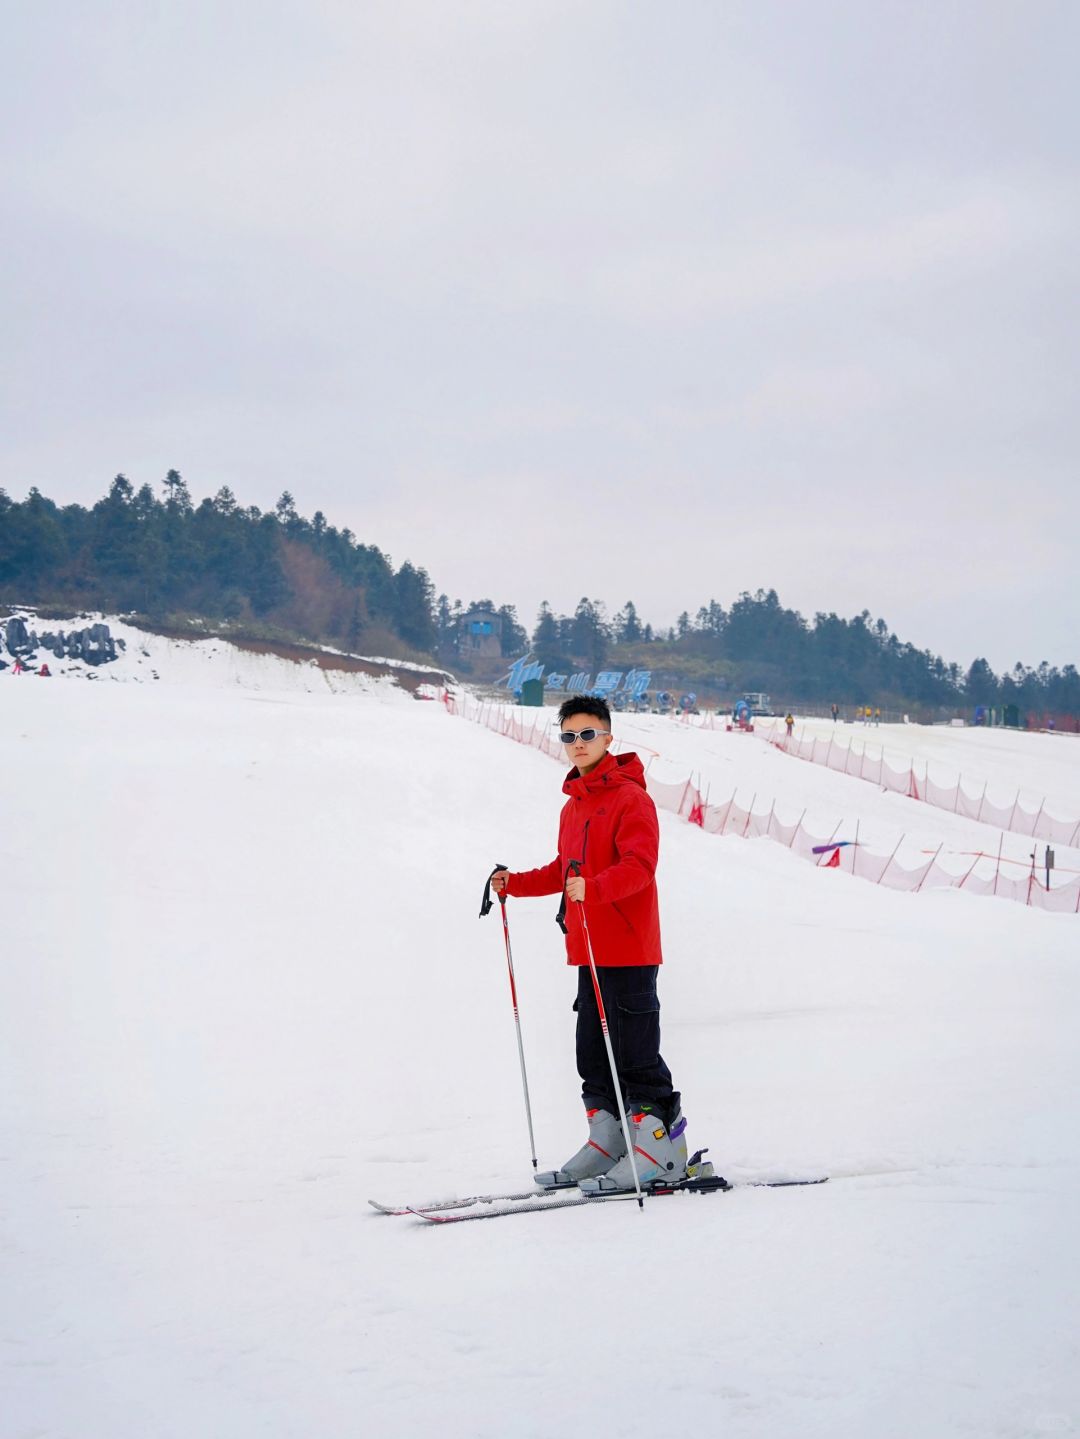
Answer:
(609, 825)
(790, 722)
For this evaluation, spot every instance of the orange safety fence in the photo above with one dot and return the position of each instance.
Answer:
(907, 780)
(684, 798)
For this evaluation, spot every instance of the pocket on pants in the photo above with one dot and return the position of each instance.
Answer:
(639, 1003)
(639, 1029)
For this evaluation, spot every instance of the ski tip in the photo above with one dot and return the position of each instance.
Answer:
(796, 1183)
(428, 1218)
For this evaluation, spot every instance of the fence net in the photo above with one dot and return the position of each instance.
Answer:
(917, 783)
(728, 817)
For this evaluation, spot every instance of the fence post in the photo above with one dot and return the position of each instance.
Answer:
(930, 866)
(855, 848)
(967, 876)
(982, 800)
(1001, 846)
(727, 812)
(821, 856)
(892, 856)
(797, 828)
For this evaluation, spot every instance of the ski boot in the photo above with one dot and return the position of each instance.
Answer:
(659, 1151)
(604, 1147)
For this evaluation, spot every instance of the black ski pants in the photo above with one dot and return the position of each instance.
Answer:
(633, 1016)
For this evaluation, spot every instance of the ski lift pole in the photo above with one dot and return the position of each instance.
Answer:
(485, 908)
(575, 865)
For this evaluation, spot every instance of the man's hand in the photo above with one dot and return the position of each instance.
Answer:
(575, 888)
(498, 880)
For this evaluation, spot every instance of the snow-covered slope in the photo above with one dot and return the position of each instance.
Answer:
(144, 657)
(244, 988)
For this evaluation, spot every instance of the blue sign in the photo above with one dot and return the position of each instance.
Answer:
(636, 683)
(526, 668)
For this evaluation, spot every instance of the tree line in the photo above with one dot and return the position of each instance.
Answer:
(759, 644)
(163, 555)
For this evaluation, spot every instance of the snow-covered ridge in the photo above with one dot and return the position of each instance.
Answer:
(137, 655)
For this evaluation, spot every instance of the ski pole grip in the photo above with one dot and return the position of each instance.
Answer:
(560, 918)
(487, 903)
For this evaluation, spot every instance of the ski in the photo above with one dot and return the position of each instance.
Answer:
(468, 1201)
(700, 1179)
(540, 1203)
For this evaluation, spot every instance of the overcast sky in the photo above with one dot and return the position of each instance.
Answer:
(634, 301)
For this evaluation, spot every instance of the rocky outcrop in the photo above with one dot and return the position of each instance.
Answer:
(94, 645)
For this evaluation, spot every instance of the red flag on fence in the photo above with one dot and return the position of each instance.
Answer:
(834, 862)
(697, 814)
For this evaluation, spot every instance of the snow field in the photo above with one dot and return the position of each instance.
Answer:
(245, 988)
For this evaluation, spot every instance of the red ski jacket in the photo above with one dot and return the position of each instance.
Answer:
(609, 823)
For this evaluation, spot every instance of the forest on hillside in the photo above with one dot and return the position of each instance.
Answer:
(758, 644)
(168, 559)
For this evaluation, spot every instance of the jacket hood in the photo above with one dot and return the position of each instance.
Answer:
(612, 769)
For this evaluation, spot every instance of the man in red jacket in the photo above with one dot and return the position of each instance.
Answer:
(609, 826)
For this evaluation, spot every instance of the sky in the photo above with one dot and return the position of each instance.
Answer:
(631, 301)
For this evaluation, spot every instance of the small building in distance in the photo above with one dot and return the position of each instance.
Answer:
(480, 633)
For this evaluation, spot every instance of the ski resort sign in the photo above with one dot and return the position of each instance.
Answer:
(631, 683)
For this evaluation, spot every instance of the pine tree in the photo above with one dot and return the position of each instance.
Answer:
(414, 608)
(545, 639)
(627, 625)
(590, 633)
(514, 638)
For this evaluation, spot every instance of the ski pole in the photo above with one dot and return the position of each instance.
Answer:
(575, 865)
(485, 908)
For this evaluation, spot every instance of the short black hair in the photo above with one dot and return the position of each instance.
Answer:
(585, 705)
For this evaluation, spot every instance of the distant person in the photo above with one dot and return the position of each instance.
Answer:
(45, 672)
(18, 667)
(877, 717)
(868, 714)
(835, 713)
(790, 722)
